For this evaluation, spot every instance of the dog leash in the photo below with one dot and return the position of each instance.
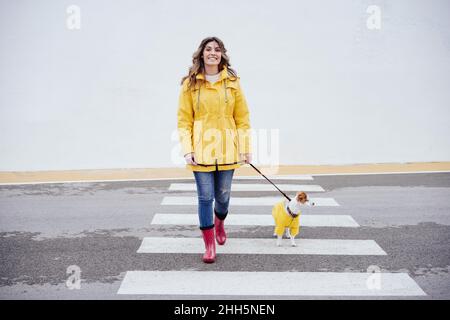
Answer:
(284, 194)
(242, 162)
(257, 170)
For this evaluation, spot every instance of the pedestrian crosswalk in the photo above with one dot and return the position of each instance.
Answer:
(342, 284)
(263, 283)
(245, 201)
(277, 177)
(263, 246)
(251, 187)
(263, 219)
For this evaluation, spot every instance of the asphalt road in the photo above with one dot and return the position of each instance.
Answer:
(45, 228)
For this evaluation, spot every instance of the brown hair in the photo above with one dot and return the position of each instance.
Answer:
(198, 64)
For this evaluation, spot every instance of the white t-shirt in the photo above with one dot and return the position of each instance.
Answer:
(212, 78)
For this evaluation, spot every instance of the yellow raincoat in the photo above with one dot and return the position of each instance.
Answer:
(283, 220)
(213, 122)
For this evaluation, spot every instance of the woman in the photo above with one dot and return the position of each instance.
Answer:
(214, 131)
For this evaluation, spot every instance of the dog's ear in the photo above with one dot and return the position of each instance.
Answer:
(302, 196)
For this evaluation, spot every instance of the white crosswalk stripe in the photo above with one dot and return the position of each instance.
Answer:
(267, 283)
(263, 246)
(278, 177)
(252, 187)
(257, 220)
(244, 201)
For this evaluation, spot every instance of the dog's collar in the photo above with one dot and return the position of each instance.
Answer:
(293, 215)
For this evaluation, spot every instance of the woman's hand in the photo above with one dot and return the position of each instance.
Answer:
(247, 157)
(190, 158)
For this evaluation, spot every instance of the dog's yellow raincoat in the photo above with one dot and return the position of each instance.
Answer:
(284, 220)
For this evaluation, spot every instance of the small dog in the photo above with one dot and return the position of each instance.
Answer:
(286, 215)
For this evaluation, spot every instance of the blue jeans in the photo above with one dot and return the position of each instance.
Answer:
(214, 185)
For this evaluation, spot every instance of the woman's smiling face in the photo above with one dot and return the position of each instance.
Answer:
(212, 53)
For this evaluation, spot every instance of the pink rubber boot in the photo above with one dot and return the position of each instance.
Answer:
(221, 236)
(210, 246)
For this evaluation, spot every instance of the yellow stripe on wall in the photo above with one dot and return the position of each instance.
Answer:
(168, 173)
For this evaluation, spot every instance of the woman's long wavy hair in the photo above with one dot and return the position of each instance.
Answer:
(198, 65)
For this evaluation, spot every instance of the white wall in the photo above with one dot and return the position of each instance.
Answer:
(106, 95)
